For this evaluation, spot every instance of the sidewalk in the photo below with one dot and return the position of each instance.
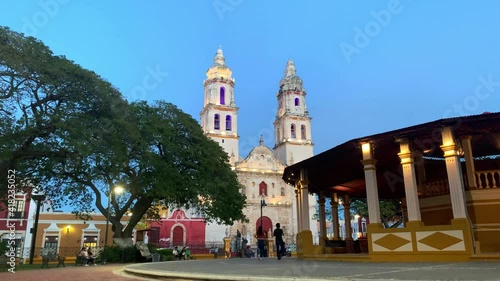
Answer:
(110, 272)
(295, 269)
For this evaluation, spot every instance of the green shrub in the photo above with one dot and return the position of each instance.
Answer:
(167, 258)
(166, 254)
(3, 247)
(121, 255)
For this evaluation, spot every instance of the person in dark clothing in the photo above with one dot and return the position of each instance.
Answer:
(91, 260)
(261, 236)
(280, 244)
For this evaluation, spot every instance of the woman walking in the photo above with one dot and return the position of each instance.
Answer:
(261, 236)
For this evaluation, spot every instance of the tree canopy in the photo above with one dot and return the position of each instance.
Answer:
(73, 134)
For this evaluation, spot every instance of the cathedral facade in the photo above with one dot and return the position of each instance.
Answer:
(269, 199)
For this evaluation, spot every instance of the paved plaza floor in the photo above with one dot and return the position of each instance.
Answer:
(296, 269)
(267, 269)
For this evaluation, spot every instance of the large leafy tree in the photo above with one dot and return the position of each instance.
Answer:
(159, 155)
(73, 134)
(44, 99)
(390, 211)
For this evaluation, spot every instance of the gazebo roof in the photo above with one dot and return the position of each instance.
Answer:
(339, 169)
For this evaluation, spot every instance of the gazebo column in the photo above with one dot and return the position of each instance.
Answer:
(469, 163)
(299, 214)
(305, 245)
(304, 198)
(334, 201)
(410, 182)
(348, 228)
(371, 186)
(420, 170)
(453, 170)
(322, 222)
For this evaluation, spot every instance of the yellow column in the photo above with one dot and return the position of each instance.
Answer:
(469, 163)
(453, 170)
(299, 213)
(410, 182)
(227, 247)
(304, 198)
(334, 201)
(371, 183)
(322, 221)
(347, 218)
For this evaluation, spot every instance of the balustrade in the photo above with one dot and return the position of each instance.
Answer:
(488, 179)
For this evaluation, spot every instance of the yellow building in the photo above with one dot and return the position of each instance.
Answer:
(68, 234)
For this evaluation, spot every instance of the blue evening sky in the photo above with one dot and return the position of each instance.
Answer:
(367, 66)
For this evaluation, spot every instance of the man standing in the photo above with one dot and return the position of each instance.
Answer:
(280, 245)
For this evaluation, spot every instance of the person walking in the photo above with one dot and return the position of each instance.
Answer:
(261, 236)
(280, 244)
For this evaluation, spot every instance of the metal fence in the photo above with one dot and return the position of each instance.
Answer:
(61, 251)
(194, 247)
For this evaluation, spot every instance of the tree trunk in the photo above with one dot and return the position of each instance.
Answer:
(123, 242)
(122, 236)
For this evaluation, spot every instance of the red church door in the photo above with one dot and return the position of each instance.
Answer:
(267, 224)
(178, 236)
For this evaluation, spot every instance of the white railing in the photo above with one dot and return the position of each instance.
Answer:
(488, 179)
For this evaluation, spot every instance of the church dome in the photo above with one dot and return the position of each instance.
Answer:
(291, 81)
(261, 149)
(219, 69)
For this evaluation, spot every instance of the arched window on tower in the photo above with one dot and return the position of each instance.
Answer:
(262, 189)
(278, 138)
(228, 122)
(222, 95)
(297, 101)
(282, 191)
(292, 131)
(303, 132)
(217, 122)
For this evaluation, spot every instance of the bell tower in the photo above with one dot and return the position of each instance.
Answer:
(292, 127)
(219, 116)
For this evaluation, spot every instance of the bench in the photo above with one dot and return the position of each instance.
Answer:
(80, 260)
(144, 250)
(60, 261)
(219, 252)
(49, 255)
(3, 261)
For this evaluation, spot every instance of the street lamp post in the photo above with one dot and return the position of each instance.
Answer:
(116, 190)
(262, 204)
(38, 200)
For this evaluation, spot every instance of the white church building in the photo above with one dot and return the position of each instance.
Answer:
(260, 173)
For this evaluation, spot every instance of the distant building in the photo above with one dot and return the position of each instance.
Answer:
(14, 222)
(178, 229)
(64, 232)
(261, 171)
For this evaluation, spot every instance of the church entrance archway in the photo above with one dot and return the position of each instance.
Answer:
(267, 224)
(178, 236)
